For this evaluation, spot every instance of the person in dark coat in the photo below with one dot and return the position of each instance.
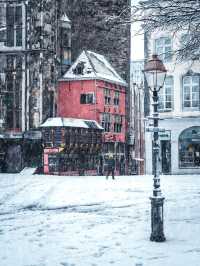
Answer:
(110, 166)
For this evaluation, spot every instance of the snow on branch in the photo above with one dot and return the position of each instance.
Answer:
(176, 15)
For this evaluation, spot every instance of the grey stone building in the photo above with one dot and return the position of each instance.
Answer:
(35, 46)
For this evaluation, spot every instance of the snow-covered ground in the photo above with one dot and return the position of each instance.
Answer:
(91, 221)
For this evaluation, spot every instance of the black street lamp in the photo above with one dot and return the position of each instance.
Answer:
(155, 73)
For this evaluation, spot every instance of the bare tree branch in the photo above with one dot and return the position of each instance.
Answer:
(176, 15)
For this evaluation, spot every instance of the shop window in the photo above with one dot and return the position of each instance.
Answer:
(87, 98)
(163, 48)
(107, 96)
(189, 148)
(117, 123)
(106, 122)
(166, 95)
(191, 92)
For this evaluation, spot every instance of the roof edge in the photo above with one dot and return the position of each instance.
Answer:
(125, 84)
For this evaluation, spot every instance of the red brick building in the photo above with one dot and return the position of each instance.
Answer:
(92, 89)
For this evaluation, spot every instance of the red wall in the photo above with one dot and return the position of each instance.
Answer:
(69, 103)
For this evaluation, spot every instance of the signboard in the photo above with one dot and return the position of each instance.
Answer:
(51, 150)
(109, 137)
(165, 135)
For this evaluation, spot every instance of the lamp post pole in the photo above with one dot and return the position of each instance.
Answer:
(155, 74)
(157, 200)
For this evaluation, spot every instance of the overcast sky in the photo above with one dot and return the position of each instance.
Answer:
(137, 41)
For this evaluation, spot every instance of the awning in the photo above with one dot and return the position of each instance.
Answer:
(70, 122)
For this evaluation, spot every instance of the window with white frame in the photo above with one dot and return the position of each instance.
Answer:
(116, 98)
(87, 98)
(106, 122)
(117, 123)
(163, 48)
(191, 92)
(107, 96)
(166, 95)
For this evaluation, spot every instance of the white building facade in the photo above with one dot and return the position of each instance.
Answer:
(137, 115)
(179, 109)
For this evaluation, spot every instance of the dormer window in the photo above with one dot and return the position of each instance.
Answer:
(79, 69)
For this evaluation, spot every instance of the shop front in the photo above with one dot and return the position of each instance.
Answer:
(189, 148)
(179, 146)
(71, 146)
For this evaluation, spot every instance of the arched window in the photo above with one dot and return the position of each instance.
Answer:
(191, 92)
(189, 148)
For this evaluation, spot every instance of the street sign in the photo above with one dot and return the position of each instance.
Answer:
(165, 135)
(155, 129)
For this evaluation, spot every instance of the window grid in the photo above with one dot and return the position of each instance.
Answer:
(163, 48)
(166, 95)
(87, 98)
(107, 96)
(116, 98)
(191, 92)
(106, 122)
(14, 25)
(117, 123)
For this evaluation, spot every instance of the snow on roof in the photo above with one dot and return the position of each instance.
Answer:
(70, 122)
(65, 18)
(90, 65)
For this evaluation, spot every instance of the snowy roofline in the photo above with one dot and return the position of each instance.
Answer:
(69, 122)
(92, 66)
(65, 18)
(93, 78)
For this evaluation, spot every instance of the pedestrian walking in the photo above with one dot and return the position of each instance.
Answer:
(110, 166)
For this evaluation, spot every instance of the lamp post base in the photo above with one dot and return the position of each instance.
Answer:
(157, 232)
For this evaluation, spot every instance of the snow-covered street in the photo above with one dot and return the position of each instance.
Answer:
(83, 221)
